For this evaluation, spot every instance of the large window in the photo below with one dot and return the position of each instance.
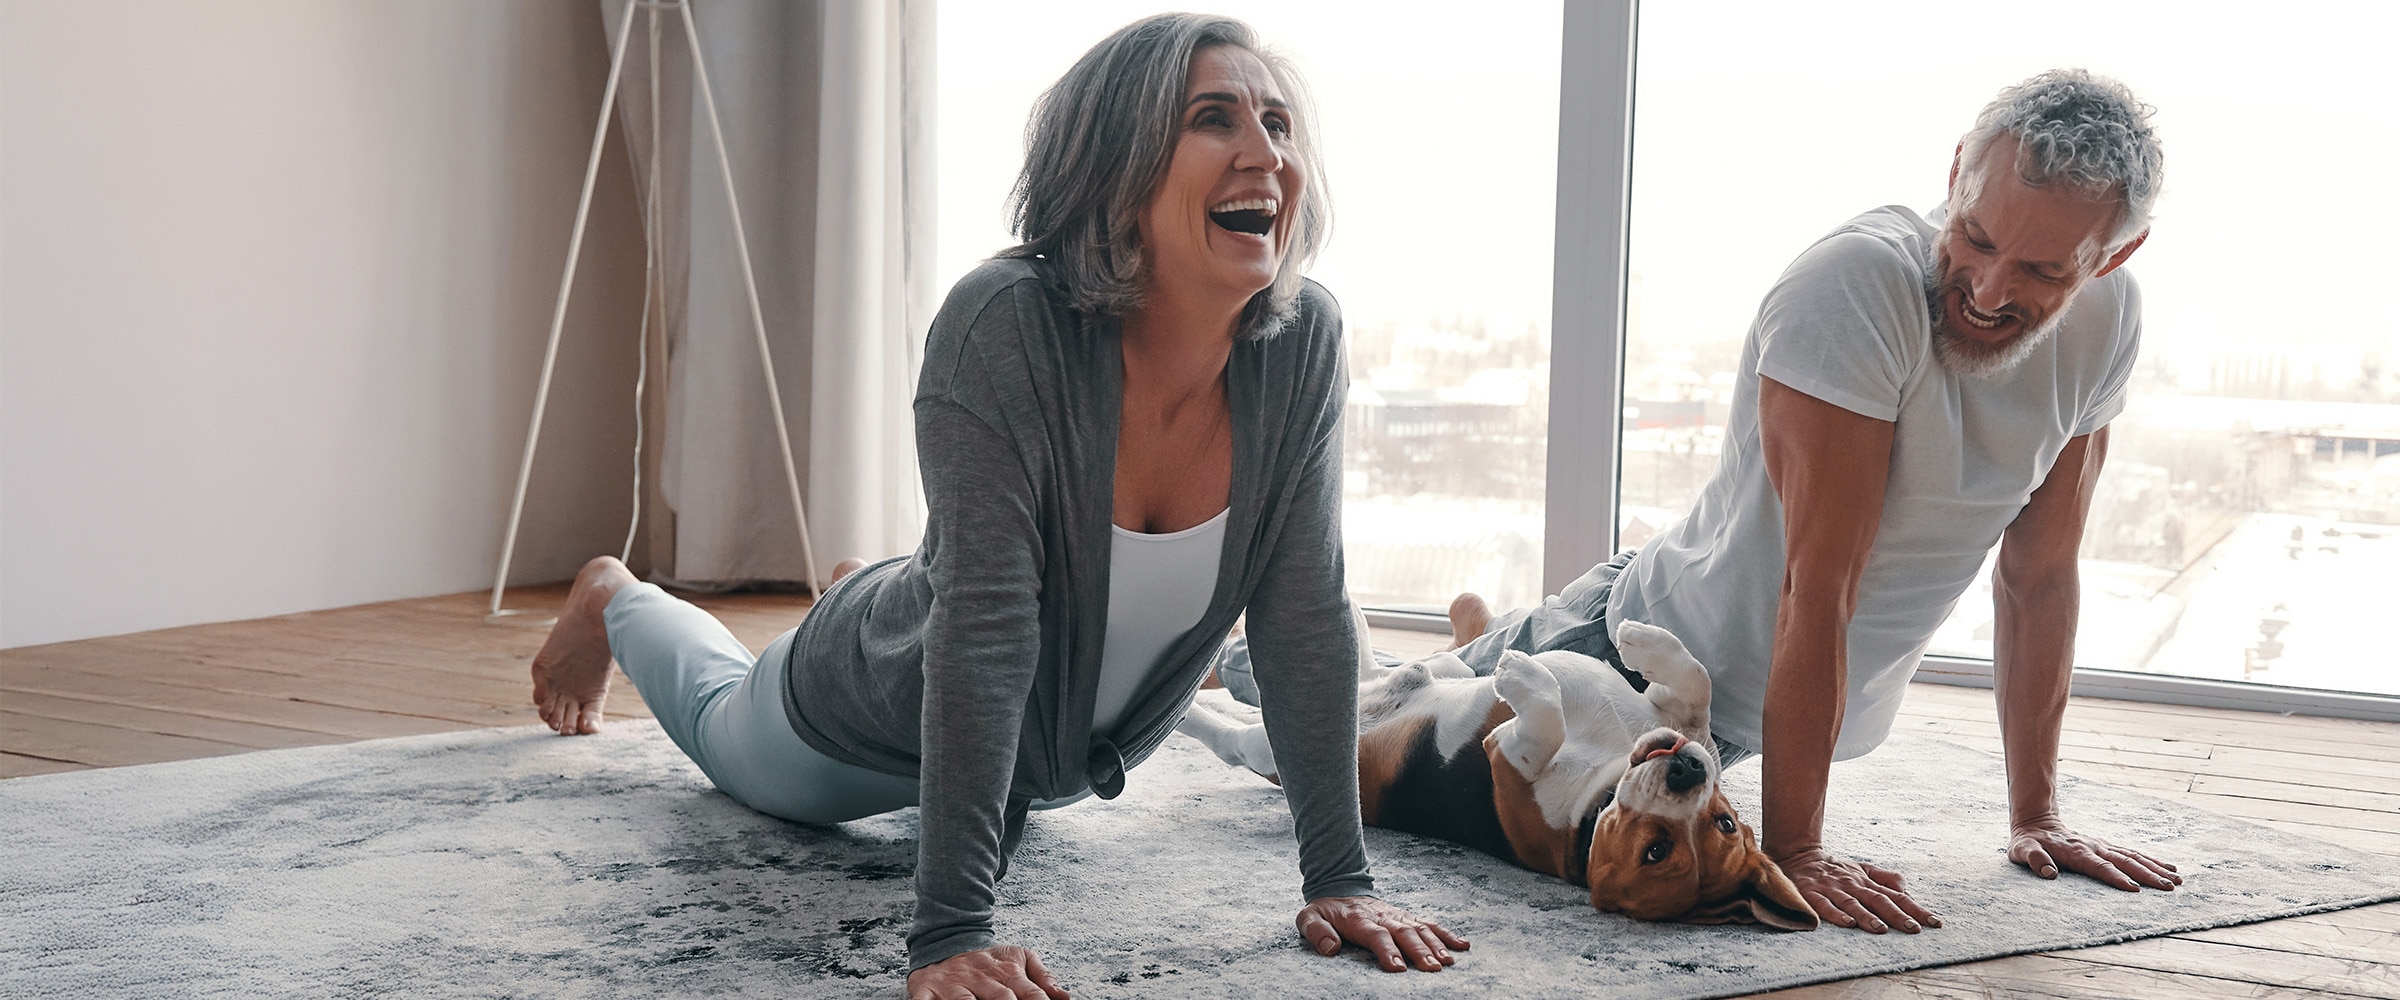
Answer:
(2248, 524)
(1440, 139)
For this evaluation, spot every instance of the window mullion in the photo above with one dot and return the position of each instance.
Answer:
(1587, 329)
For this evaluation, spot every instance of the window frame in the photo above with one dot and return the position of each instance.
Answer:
(1587, 317)
(1588, 337)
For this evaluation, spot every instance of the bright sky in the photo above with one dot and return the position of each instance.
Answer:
(1759, 126)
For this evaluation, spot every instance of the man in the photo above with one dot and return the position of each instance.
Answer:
(1913, 391)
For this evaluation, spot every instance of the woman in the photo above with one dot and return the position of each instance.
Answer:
(1128, 431)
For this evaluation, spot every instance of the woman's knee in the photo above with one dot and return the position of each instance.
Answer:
(819, 793)
(820, 809)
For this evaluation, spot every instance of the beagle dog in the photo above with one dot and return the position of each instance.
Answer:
(1554, 763)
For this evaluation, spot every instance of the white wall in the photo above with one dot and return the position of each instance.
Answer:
(274, 280)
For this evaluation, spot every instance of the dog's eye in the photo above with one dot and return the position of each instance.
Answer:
(1724, 824)
(1657, 852)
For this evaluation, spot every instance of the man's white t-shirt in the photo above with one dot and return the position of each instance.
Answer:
(1848, 324)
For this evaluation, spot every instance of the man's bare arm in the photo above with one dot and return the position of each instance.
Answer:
(2037, 595)
(1829, 467)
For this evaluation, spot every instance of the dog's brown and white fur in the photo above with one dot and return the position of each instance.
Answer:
(1554, 763)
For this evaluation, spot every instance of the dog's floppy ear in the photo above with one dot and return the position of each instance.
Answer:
(1534, 736)
(1766, 896)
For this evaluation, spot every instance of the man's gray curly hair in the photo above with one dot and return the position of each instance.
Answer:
(1099, 142)
(2087, 130)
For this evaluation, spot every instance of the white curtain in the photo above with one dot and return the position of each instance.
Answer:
(828, 120)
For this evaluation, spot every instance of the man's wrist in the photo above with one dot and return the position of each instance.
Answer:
(1781, 850)
(2021, 822)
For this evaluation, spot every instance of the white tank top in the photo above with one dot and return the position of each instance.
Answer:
(1158, 589)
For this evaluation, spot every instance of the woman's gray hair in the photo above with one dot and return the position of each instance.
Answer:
(1099, 142)
(2088, 130)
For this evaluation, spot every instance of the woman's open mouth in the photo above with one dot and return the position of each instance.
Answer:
(1251, 216)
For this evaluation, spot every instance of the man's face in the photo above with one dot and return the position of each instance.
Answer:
(2010, 258)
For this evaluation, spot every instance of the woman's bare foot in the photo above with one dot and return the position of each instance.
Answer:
(570, 674)
(847, 567)
(1469, 616)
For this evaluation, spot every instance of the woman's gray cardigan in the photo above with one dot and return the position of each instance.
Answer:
(973, 664)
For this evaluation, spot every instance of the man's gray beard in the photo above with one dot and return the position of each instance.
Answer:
(1966, 357)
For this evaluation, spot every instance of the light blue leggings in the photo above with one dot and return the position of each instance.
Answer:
(724, 708)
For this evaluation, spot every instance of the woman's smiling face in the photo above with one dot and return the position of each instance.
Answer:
(1220, 221)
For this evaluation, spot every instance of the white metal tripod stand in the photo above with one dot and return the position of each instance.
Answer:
(650, 226)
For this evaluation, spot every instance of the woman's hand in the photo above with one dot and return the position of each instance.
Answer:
(1379, 927)
(1006, 972)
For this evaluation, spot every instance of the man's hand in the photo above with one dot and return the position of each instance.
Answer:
(1002, 973)
(2037, 588)
(1855, 894)
(2045, 845)
(1379, 927)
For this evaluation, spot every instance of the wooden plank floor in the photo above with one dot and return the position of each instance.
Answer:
(434, 665)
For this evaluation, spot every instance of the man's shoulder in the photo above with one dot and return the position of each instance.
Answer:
(1871, 268)
(1847, 322)
(2119, 294)
(1895, 223)
(2100, 334)
(1891, 242)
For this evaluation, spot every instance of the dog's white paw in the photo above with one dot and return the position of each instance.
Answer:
(1679, 684)
(1534, 736)
(1648, 649)
(1647, 640)
(1524, 683)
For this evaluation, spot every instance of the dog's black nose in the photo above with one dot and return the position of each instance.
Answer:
(1684, 773)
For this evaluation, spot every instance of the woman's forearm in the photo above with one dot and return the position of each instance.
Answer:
(1304, 646)
(1311, 715)
(982, 644)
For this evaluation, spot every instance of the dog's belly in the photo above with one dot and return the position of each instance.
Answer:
(1407, 783)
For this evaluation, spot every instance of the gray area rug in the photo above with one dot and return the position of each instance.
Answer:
(513, 863)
